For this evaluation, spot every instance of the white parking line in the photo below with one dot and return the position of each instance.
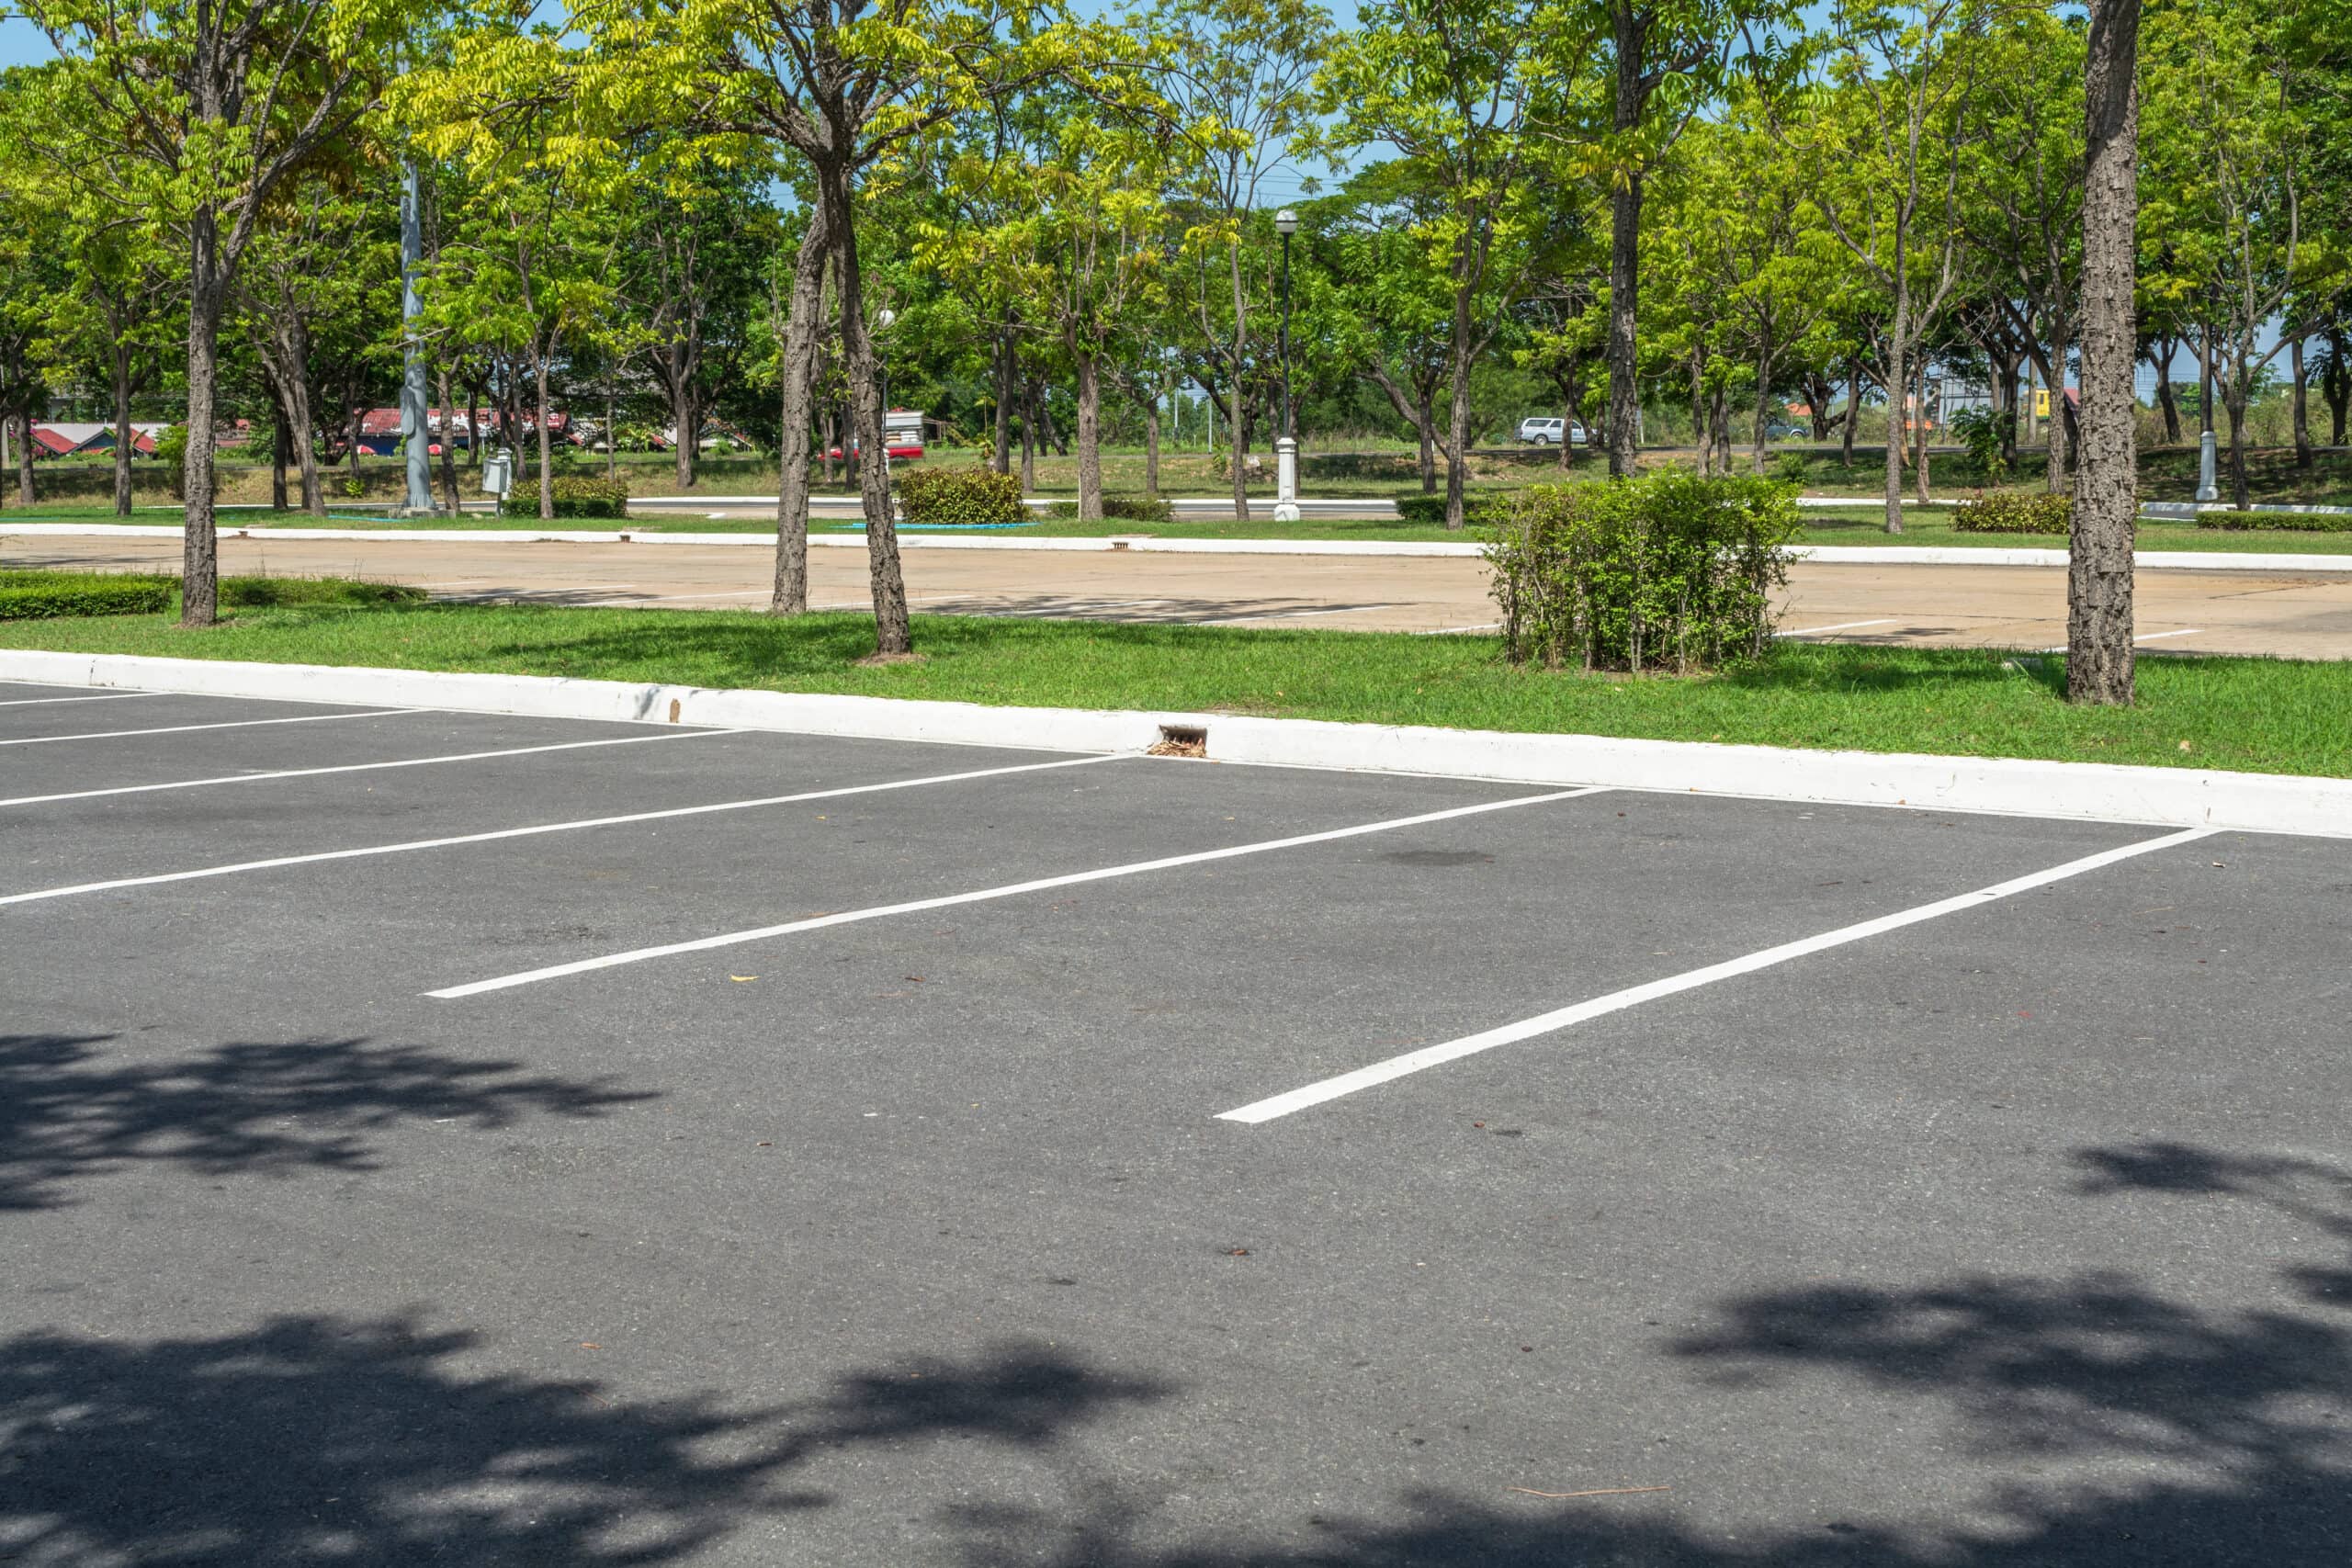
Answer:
(1840, 626)
(109, 697)
(364, 767)
(232, 724)
(1633, 996)
(848, 916)
(402, 848)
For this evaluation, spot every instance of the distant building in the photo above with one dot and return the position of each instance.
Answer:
(59, 438)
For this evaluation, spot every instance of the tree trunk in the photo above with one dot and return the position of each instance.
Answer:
(796, 377)
(1895, 384)
(2060, 433)
(281, 444)
(684, 409)
(449, 443)
(893, 635)
(1238, 436)
(200, 543)
(1919, 423)
(1763, 411)
(296, 388)
(2107, 504)
(121, 390)
(1028, 439)
(1089, 436)
(2335, 385)
(547, 438)
(25, 495)
(1853, 412)
(2160, 354)
(1152, 446)
(1002, 461)
(2301, 378)
(1457, 424)
(2235, 401)
(1622, 427)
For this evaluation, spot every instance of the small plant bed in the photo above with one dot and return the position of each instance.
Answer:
(2277, 522)
(2252, 715)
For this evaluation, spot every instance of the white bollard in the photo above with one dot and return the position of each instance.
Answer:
(1285, 480)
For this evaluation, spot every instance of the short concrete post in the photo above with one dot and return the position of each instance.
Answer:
(2206, 488)
(1285, 480)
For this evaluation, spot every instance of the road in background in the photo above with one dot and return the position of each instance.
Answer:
(2294, 615)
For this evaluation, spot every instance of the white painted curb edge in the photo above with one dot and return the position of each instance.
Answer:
(2172, 797)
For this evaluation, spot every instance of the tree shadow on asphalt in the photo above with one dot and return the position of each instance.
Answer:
(324, 1439)
(72, 1107)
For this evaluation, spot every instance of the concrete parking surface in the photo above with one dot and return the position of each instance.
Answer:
(2301, 615)
(428, 1138)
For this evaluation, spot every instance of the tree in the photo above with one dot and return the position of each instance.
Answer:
(1242, 72)
(1881, 133)
(212, 108)
(1458, 88)
(2106, 502)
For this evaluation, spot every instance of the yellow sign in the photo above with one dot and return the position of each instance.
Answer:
(2041, 402)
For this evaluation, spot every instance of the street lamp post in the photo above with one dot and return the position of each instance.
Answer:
(1285, 441)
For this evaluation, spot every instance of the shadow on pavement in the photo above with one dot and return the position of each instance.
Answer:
(70, 1107)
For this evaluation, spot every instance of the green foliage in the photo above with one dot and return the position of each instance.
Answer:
(575, 496)
(48, 595)
(1127, 508)
(351, 485)
(171, 450)
(1980, 430)
(280, 592)
(2013, 512)
(1478, 507)
(1667, 571)
(1793, 468)
(950, 498)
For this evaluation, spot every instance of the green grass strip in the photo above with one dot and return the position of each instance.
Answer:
(2254, 715)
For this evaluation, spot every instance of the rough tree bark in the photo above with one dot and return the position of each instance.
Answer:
(120, 375)
(200, 547)
(893, 636)
(1630, 25)
(2107, 500)
(2300, 376)
(797, 378)
(1238, 436)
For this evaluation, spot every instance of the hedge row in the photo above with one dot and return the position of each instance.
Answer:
(959, 498)
(2293, 522)
(1124, 508)
(575, 496)
(2012, 511)
(1479, 507)
(1665, 571)
(53, 596)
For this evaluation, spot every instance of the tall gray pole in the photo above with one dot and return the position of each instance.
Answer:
(416, 423)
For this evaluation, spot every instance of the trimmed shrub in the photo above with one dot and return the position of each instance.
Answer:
(2012, 511)
(575, 496)
(1667, 571)
(1124, 508)
(53, 596)
(2293, 522)
(1479, 507)
(959, 498)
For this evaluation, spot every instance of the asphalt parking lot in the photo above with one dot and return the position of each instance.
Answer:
(431, 1137)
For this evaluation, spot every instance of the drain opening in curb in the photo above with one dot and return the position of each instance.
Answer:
(1181, 740)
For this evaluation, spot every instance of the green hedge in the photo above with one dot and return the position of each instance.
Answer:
(1668, 570)
(274, 592)
(1124, 508)
(575, 496)
(51, 595)
(2014, 512)
(959, 498)
(1479, 507)
(2293, 522)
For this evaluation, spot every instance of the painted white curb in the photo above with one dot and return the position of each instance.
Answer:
(2175, 797)
(1826, 555)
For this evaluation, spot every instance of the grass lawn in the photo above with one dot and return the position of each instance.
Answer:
(2266, 716)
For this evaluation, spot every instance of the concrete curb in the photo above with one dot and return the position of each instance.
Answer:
(2171, 798)
(1826, 555)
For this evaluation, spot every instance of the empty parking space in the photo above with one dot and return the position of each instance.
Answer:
(840, 1167)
